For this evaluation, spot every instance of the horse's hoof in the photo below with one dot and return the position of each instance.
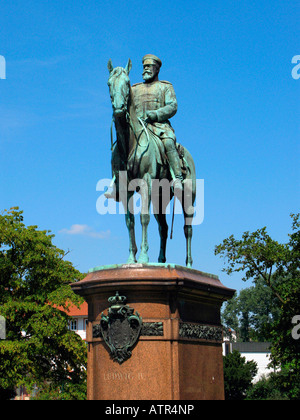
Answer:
(143, 259)
(131, 260)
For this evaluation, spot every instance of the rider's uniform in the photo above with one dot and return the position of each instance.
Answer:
(158, 96)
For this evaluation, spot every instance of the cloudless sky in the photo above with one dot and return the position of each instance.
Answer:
(230, 65)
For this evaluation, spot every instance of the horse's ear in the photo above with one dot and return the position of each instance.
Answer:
(110, 66)
(128, 66)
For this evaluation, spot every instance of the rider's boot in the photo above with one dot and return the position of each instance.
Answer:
(179, 184)
(175, 167)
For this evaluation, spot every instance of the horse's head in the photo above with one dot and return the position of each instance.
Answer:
(119, 88)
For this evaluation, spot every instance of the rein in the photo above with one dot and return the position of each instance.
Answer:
(112, 142)
(137, 137)
(111, 135)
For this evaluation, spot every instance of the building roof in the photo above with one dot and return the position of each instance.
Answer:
(252, 347)
(74, 311)
(82, 311)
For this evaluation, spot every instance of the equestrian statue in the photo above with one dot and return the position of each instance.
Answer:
(146, 150)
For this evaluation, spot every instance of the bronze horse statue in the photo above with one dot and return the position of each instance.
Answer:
(139, 155)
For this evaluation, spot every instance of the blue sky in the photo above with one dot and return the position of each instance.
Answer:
(230, 65)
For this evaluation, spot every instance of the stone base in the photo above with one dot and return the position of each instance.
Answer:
(178, 355)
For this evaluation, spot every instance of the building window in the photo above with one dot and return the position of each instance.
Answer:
(73, 325)
(85, 323)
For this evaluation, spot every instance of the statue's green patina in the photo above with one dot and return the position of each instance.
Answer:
(147, 152)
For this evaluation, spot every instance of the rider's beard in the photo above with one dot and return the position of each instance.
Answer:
(147, 75)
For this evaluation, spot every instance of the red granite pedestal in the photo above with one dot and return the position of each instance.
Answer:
(178, 355)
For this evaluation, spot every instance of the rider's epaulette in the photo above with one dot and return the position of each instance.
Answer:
(136, 84)
(164, 81)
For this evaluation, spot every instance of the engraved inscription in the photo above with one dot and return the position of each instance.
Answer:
(123, 376)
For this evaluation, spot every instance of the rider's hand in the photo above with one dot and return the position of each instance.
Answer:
(151, 116)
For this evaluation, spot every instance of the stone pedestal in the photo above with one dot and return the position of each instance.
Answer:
(175, 313)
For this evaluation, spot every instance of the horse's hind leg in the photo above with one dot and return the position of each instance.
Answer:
(189, 211)
(188, 233)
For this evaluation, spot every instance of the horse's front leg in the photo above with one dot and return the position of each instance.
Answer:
(163, 233)
(159, 206)
(145, 192)
(130, 223)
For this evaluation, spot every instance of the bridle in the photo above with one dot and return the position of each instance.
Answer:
(137, 134)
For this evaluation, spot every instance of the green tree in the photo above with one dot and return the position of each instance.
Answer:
(252, 312)
(269, 387)
(34, 293)
(258, 256)
(238, 375)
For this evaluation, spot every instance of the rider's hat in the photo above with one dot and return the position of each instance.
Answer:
(152, 59)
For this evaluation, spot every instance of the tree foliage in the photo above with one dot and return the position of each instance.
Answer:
(34, 293)
(270, 387)
(251, 313)
(238, 376)
(258, 256)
